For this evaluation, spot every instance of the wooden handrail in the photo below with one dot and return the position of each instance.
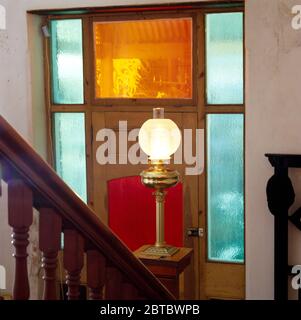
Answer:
(20, 161)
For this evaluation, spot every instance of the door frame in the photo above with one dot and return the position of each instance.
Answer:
(198, 107)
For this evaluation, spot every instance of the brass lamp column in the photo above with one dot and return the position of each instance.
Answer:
(160, 234)
(159, 138)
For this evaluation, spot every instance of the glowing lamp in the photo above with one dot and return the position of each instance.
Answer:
(159, 138)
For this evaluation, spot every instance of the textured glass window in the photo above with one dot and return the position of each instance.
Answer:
(67, 61)
(225, 187)
(224, 55)
(70, 151)
(143, 59)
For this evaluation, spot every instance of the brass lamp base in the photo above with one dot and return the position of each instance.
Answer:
(164, 251)
(159, 177)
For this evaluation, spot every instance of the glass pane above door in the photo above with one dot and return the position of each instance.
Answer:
(143, 59)
(225, 187)
(67, 61)
(224, 58)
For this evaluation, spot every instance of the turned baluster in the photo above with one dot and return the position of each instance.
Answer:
(49, 240)
(20, 217)
(96, 274)
(73, 262)
(113, 284)
(129, 291)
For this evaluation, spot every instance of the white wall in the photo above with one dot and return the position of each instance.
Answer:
(273, 105)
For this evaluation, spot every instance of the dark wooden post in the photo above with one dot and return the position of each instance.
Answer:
(20, 217)
(73, 262)
(281, 248)
(280, 195)
(96, 274)
(50, 241)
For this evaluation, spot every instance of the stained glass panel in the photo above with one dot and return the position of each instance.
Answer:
(225, 187)
(224, 58)
(67, 61)
(70, 151)
(143, 58)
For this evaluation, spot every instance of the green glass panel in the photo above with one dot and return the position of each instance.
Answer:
(67, 61)
(70, 151)
(225, 187)
(224, 55)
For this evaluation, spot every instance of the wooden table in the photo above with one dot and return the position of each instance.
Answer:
(167, 269)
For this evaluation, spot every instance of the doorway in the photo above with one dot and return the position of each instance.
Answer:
(196, 72)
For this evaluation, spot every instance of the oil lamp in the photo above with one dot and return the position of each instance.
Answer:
(159, 138)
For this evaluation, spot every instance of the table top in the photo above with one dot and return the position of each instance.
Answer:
(180, 260)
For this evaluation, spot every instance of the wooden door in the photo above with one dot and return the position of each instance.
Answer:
(102, 173)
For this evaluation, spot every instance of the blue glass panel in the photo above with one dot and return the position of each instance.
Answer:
(224, 55)
(70, 151)
(225, 187)
(67, 61)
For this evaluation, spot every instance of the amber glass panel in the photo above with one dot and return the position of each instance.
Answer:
(143, 59)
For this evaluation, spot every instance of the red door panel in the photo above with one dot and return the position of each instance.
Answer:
(132, 213)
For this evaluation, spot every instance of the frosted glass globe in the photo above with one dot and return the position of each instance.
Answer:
(159, 138)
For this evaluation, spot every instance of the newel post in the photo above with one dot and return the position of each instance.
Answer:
(20, 217)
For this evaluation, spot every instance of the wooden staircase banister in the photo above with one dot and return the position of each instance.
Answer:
(19, 161)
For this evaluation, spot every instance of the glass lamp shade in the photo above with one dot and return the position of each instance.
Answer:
(159, 138)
